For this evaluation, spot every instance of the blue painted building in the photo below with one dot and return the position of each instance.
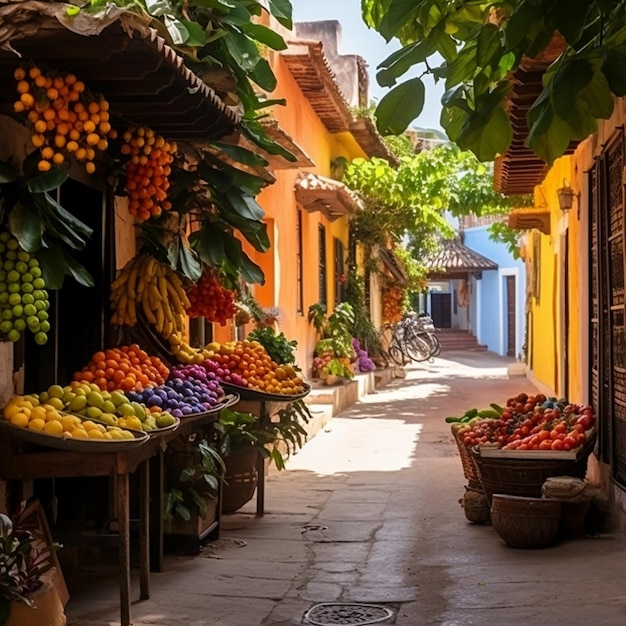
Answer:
(477, 286)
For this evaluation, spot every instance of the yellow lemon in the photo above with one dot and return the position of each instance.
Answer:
(89, 425)
(79, 433)
(36, 424)
(19, 419)
(55, 391)
(53, 415)
(10, 410)
(107, 435)
(68, 422)
(116, 433)
(133, 423)
(53, 427)
(38, 412)
(94, 433)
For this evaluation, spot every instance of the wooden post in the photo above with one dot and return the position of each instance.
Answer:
(123, 516)
(144, 530)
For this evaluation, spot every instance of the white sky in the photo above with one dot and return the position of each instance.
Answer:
(357, 38)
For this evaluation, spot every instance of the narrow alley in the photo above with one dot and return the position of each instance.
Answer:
(368, 512)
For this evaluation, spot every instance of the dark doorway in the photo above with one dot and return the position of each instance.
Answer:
(77, 313)
(441, 309)
(511, 321)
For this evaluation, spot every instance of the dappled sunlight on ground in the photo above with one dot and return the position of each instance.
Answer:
(366, 445)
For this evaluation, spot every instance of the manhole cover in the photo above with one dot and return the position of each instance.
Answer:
(351, 614)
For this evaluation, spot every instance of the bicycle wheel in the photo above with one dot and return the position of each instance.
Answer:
(396, 355)
(417, 348)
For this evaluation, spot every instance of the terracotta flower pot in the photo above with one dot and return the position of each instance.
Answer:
(48, 610)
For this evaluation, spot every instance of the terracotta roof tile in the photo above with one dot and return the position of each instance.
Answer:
(454, 256)
(332, 198)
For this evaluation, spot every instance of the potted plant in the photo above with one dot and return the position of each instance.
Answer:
(193, 469)
(334, 353)
(243, 439)
(27, 596)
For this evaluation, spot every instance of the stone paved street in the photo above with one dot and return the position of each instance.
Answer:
(369, 512)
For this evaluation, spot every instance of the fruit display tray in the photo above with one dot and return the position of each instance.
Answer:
(78, 445)
(226, 401)
(252, 394)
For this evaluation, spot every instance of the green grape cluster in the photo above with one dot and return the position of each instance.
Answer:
(23, 297)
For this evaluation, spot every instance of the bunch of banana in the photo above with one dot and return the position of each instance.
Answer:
(154, 288)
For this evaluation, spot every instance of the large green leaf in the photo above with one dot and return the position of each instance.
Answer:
(597, 96)
(245, 205)
(241, 155)
(189, 264)
(250, 271)
(263, 75)
(398, 63)
(398, 108)
(197, 36)
(64, 219)
(27, 227)
(47, 181)
(52, 263)
(494, 138)
(568, 17)
(208, 242)
(398, 13)
(77, 271)
(254, 131)
(488, 44)
(264, 35)
(614, 69)
(282, 11)
(573, 75)
(176, 29)
(549, 135)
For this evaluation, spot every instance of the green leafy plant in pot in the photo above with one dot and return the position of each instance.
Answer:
(244, 438)
(27, 596)
(194, 469)
(334, 353)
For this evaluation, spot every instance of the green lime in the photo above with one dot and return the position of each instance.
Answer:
(40, 305)
(30, 309)
(33, 262)
(45, 326)
(7, 314)
(27, 287)
(4, 297)
(14, 299)
(21, 267)
(13, 288)
(19, 324)
(7, 266)
(11, 255)
(6, 326)
(35, 271)
(39, 283)
(42, 315)
(33, 322)
(18, 310)
(5, 236)
(27, 277)
(13, 335)
(12, 244)
(41, 338)
(22, 255)
(3, 286)
(27, 298)
(13, 276)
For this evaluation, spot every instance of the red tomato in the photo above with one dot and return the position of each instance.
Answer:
(557, 444)
(546, 444)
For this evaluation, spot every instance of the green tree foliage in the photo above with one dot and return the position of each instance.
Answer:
(482, 43)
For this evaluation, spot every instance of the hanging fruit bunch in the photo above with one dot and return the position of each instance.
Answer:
(147, 171)
(393, 304)
(23, 296)
(66, 119)
(210, 299)
(154, 288)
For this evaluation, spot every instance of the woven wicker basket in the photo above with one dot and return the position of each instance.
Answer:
(525, 522)
(525, 477)
(241, 479)
(469, 466)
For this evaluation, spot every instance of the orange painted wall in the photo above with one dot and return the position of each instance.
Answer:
(299, 120)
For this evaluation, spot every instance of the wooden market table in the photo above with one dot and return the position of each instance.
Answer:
(21, 461)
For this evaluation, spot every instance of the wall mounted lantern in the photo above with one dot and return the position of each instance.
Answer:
(566, 196)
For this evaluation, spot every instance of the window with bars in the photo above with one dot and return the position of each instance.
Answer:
(300, 267)
(321, 234)
(340, 278)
